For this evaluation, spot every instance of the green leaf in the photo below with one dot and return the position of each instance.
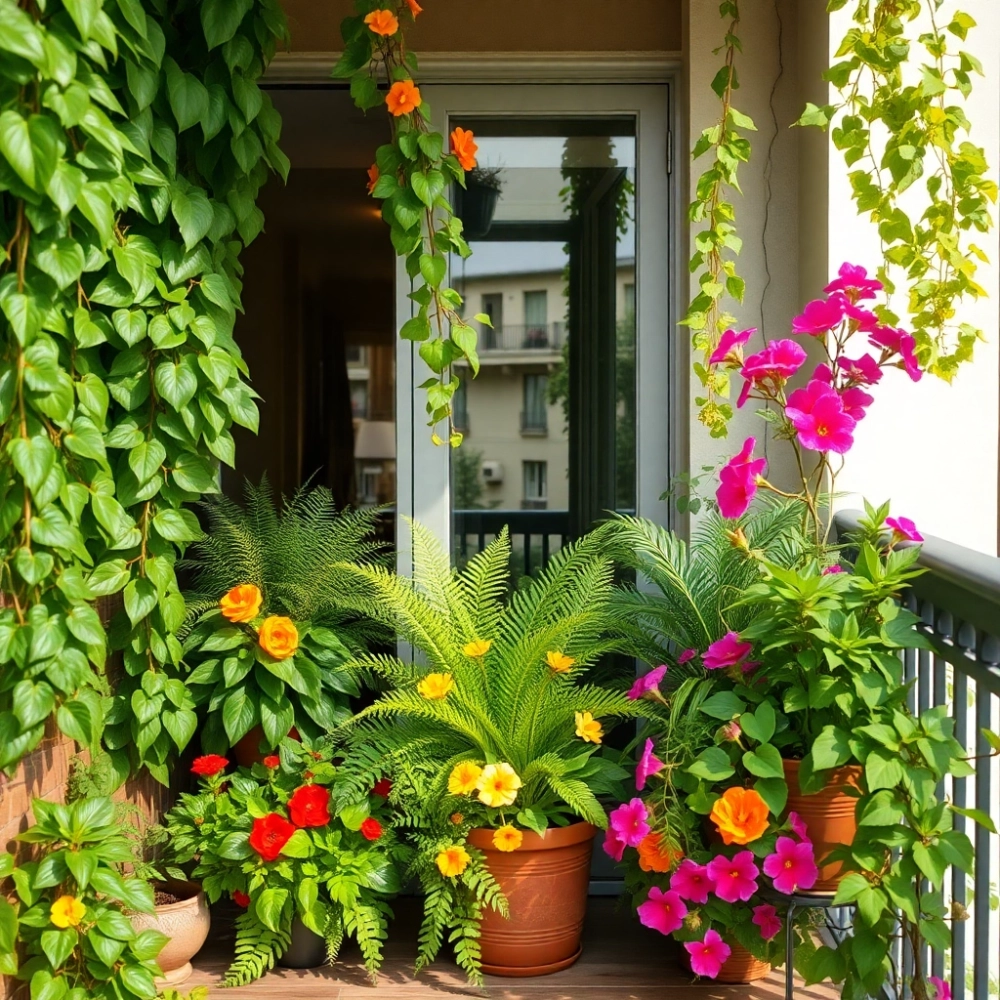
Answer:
(759, 725)
(239, 714)
(221, 18)
(831, 748)
(62, 260)
(32, 703)
(176, 383)
(298, 845)
(883, 770)
(764, 762)
(187, 95)
(269, 906)
(145, 459)
(433, 269)
(977, 815)
(140, 599)
(58, 945)
(33, 458)
(774, 791)
(84, 14)
(177, 525)
(193, 213)
(84, 623)
(724, 705)
(15, 146)
(712, 764)
(109, 577)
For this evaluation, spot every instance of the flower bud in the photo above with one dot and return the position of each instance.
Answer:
(958, 911)
(731, 731)
(693, 921)
(738, 540)
(457, 819)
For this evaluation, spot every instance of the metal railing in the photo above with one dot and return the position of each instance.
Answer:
(522, 337)
(534, 423)
(958, 601)
(534, 534)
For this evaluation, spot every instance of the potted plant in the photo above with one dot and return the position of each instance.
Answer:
(279, 840)
(268, 631)
(493, 738)
(476, 202)
(182, 916)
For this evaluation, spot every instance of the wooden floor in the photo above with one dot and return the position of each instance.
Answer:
(621, 961)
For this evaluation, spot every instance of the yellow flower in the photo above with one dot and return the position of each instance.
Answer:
(242, 603)
(559, 662)
(452, 861)
(477, 648)
(507, 838)
(498, 785)
(435, 686)
(67, 911)
(588, 728)
(464, 778)
(278, 637)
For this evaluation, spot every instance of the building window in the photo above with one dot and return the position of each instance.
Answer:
(359, 400)
(535, 415)
(492, 305)
(355, 354)
(536, 318)
(460, 406)
(536, 490)
(629, 295)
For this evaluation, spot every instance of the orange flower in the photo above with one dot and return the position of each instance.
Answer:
(559, 662)
(242, 603)
(373, 176)
(452, 861)
(655, 855)
(740, 816)
(463, 145)
(403, 97)
(415, 8)
(382, 22)
(278, 637)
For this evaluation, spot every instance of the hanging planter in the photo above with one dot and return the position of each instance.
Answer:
(476, 203)
(545, 883)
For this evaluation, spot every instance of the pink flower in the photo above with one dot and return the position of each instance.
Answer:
(821, 315)
(731, 731)
(779, 360)
(726, 652)
(822, 374)
(648, 765)
(614, 846)
(853, 279)
(692, 881)
(707, 956)
(898, 342)
(795, 821)
(942, 991)
(630, 822)
(817, 414)
(648, 682)
(831, 571)
(903, 529)
(766, 918)
(728, 344)
(738, 481)
(687, 656)
(663, 911)
(863, 320)
(861, 371)
(735, 878)
(792, 866)
(856, 401)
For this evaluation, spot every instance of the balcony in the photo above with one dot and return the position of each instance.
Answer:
(534, 424)
(521, 343)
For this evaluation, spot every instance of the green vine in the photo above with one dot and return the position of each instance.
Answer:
(894, 131)
(133, 142)
(717, 243)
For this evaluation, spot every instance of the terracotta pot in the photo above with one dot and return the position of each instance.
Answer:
(828, 814)
(186, 923)
(741, 966)
(247, 752)
(545, 882)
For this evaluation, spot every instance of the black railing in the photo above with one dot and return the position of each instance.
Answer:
(535, 534)
(958, 601)
(522, 337)
(534, 424)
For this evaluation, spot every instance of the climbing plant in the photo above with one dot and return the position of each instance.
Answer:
(898, 122)
(133, 141)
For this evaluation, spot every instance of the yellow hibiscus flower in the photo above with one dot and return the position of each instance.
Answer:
(464, 778)
(477, 648)
(507, 838)
(560, 663)
(67, 911)
(452, 861)
(588, 728)
(498, 785)
(434, 687)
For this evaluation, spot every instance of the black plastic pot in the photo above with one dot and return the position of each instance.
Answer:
(306, 951)
(475, 205)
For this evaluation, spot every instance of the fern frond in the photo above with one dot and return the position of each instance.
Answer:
(257, 950)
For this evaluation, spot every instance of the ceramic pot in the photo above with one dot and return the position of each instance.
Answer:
(307, 949)
(828, 814)
(186, 923)
(545, 883)
(741, 966)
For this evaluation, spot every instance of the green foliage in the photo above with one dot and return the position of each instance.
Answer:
(68, 908)
(258, 948)
(132, 147)
(896, 128)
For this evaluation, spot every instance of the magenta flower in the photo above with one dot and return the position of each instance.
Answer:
(630, 822)
(707, 956)
(728, 344)
(792, 866)
(738, 481)
(614, 846)
(831, 571)
(779, 360)
(903, 529)
(854, 281)
(861, 371)
(649, 681)
(856, 402)
(795, 821)
(942, 991)
(687, 656)
(899, 342)
(822, 374)
(862, 320)
(726, 652)
(766, 918)
(692, 881)
(663, 911)
(821, 315)
(648, 765)
(735, 878)
(817, 414)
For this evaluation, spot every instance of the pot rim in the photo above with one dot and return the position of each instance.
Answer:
(192, 902)
(837, 775)
(555, 837)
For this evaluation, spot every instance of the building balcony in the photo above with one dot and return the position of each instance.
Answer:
(534, 424)
(521, 343)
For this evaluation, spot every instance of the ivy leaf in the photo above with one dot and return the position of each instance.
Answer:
(239, 714)
(187, 95)
(21, 36)
(33, 458)
(193, 213)
(109, 577)
(140, 599)
(176, 383)
(84, 14)
(62, 260)
(765, 762)
(433, 269)
(145, 459)
(177, 525)
(221, 18)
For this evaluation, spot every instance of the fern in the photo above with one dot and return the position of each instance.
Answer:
(368, 924)
(257, 950)
(333, 933)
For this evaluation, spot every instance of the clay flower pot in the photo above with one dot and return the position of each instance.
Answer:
(741, 966)
(186, 923)
(545, 882)
(246, 751)
(829, 816)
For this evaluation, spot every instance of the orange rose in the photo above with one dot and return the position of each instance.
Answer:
(403, 97)
(278, 637)
(740, 816)
(415, 8)
(373, 176)
(242, 603)
(382, 22)
(463, 145)
(655, 855)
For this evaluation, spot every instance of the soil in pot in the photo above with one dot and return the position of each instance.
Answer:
(182, 914)
(545, 882)
(742, 966)
(828, 815)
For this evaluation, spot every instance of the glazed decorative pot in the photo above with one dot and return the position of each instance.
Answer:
(545, 883)
(186, 922)
(307, 949)
(741, 966)
(828, 814)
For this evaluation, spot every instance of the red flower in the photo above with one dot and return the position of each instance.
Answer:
(310, 806)
(240, 898)
(382, 787)
(270, 834)
(272, 762)
(209, 764)
(371, 829)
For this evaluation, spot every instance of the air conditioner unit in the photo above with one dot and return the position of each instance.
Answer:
(492, 472)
